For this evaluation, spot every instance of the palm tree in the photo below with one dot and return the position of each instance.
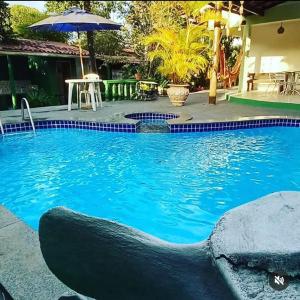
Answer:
(181, 51)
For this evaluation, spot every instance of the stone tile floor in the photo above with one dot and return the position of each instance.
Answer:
(197, 106)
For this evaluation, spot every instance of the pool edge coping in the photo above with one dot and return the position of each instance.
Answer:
(175, 125)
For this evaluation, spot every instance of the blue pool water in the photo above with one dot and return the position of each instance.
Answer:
(174, 186)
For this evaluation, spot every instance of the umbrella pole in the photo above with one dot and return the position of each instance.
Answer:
(80, 54)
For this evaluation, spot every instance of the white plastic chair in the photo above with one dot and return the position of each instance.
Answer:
(289, 83)
(276, 80)
(294, 85)
(86, 92)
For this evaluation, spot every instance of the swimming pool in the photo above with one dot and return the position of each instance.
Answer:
(174, 186)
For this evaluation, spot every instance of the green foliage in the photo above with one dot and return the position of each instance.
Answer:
(167, 14)
(180, 52)
(231, 51)
(180, 46)
(22, 16)
(147, 70)
(106, 42)
(146, 16)
(38, 64)
(38, 97)
(101, 8)
(128, 71)
(140, 24)
(6, 32)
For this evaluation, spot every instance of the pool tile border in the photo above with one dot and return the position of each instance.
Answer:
(233, 125)
(134, 127)
(47, 124)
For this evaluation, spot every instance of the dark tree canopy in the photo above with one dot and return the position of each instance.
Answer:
(6, 31)
(22, 16)
(104, 42)
(101, 8)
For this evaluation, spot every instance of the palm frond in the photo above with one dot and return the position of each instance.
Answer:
(182, 52)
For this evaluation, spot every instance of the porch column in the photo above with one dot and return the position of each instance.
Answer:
(12, 83)
(243, 76)
(109, 71)
(212, 98)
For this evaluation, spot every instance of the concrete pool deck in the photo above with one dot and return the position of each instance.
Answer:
(197, 107)
(23, 271)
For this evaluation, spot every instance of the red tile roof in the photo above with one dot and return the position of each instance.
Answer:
(27, 47)
(34, 46)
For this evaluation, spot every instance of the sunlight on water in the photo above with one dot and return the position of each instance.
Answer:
(174, 186)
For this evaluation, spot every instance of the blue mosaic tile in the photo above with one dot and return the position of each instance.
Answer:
(59, 124)
(233, 125)
(132, 128)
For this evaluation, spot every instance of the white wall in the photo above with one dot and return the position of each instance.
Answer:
(273, 52)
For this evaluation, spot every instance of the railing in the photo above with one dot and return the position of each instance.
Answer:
(119, 89)
(22, 87)
(1, 128)
(24, 100)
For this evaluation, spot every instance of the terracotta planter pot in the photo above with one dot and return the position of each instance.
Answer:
(138, 76)
(178, 93)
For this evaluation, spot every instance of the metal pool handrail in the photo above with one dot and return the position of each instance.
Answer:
(24, 100)
(1, 128)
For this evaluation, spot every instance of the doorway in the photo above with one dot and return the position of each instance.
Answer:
(63, 72)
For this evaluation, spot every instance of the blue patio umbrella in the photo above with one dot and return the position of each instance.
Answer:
(75, 20)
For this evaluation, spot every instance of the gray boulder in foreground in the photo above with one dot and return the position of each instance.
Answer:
(254, 240)
(110, 261)
(264, 233)
(106, 260)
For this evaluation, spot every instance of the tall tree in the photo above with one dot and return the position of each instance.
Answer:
(22, 16)
(107, 42)
(102, 8)
(90, 40)
(6, 31)
(177, 40)
(140, 22)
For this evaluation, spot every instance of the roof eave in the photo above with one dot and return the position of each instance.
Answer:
(40, 54)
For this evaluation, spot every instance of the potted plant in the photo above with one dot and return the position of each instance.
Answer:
(162, 88)
(138, 75)
(139, 72)
(180, 52)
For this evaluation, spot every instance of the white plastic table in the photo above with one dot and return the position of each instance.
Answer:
(93, 87)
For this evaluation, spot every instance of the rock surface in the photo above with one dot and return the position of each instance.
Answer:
(258, 238)
(262, 234)
(106, 260)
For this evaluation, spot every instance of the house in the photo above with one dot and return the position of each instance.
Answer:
(271, 44)
(28, 64)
